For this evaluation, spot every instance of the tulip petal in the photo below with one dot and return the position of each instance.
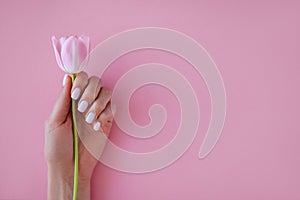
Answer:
(56, 46)
(66, 54)
(62, 40)
(83, 54)
(84, 63)
(86, 41)
(76, 47)
(73, 53)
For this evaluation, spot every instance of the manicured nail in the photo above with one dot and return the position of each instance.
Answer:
(65, 79)
(90, 117)
(75, 94)
(82, 106)
(97, 126)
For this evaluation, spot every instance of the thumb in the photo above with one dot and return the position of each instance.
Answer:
(63, 103)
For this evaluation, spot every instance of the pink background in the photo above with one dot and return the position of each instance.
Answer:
(255, 46)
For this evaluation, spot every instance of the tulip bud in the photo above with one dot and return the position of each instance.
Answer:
(72, 53)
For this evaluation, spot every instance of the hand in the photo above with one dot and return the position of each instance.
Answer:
(94, 116)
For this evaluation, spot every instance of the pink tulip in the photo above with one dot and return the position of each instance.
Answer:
(72, 53)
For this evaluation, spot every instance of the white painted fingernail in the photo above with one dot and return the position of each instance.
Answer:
(90, 117)
(75, 94)
(82, 106)
(65, 80)
(97, 126)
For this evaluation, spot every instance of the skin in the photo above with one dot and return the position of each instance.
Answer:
(59, 138)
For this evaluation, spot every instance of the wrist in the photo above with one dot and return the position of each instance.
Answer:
(60, 185)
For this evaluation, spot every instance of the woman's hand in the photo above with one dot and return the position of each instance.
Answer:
(94, 116)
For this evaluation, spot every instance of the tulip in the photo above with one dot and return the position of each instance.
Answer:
(72, 53)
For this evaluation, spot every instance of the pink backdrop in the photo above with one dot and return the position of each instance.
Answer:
(255, 48)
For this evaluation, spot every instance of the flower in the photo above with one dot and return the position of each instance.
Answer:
(72, 53)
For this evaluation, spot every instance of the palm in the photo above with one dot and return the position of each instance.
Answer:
(62, 138)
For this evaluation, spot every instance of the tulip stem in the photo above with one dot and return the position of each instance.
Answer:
(75, 143)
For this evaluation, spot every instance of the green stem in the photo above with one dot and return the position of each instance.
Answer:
(75, 143)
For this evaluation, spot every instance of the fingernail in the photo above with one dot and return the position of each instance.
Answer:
(75, 94)
(90, 117)
(97, 126)
(65, 80)
(82, 106)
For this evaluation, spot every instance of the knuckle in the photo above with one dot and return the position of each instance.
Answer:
(94, 79)
(81, 80)
(107, 91)
(99, 106)
(83, 73)
(105, 117)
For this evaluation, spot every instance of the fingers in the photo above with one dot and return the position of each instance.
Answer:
(79, 85)
(89, 94)
(98, 105)
(105, 119)
(93, 101)
(62, 105)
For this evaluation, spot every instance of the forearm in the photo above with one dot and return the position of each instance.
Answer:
(60, 186)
